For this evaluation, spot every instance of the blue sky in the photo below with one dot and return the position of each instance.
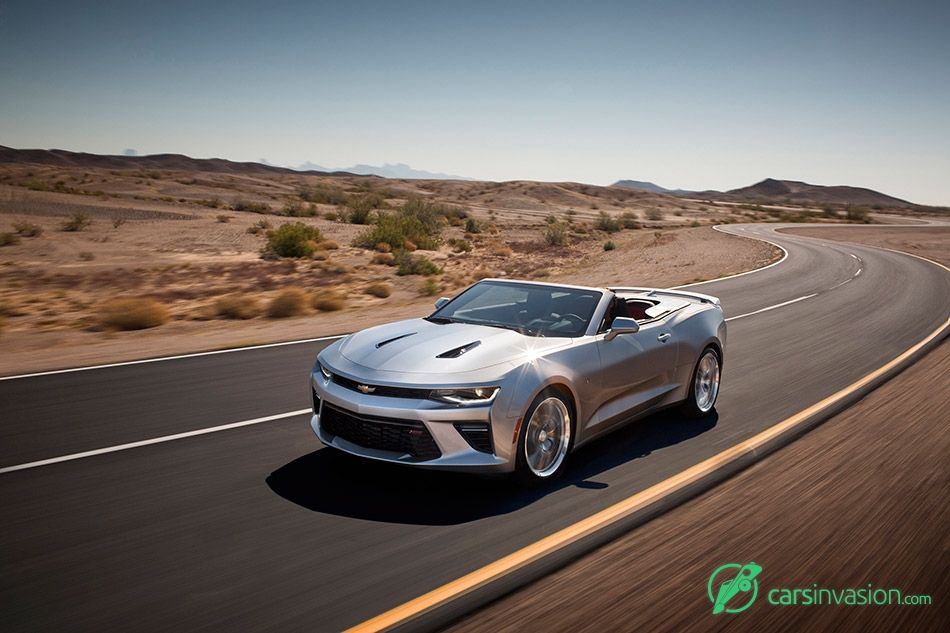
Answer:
(686, 94)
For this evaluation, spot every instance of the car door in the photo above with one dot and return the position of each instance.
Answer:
(636, 372)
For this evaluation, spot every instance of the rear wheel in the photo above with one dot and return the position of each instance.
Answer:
(704, 387)
(545, 438)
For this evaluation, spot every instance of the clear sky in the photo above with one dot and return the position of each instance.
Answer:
(691, 94)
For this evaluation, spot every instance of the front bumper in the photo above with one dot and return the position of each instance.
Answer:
(412, 431)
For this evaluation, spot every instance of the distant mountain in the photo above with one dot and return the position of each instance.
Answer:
(172, 162)
(397, 171)
(772, 191)
(648, 186)
(639, 184)
(179, 162)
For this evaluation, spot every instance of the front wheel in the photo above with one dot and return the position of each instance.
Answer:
(545, 438)
(704, 387)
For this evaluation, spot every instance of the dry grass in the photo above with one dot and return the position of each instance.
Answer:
(132, 313)
(379, 289)
(328, 300)
(386, 259)
(289, 302)
(237, 306)
(498, 248)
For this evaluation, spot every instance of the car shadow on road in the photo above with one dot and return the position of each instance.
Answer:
(333, 482)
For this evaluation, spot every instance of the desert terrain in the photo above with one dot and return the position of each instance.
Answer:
(77, 238)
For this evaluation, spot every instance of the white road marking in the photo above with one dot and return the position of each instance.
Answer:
(156, 440)
(778, 305)
(163, 358)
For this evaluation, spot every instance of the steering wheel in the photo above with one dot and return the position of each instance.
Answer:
(574, 320)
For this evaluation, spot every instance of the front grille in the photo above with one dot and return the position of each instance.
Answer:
(384, 434)
(382, 390)
(477, 434)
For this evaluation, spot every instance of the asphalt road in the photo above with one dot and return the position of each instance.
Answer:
(261, 528)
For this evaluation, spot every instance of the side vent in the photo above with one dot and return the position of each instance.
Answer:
(458, 351)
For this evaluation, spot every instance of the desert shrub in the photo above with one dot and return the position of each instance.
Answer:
(328, 300)
(491, 228)
(609, 246)
(400, 232)
(362, 207)
(296, 208)
(829, 212)
(292, 239)
(629, 220)
(695, 223)
(360, 211)
(429, 288)
(379, 289)
(241, 204)
(498, 248)
(132, 313)
(654, 214)
(858, 214)
(460, 246)
(606, 222)
(416, 265)
(472, 226)
(255, 230)
(328, 245)
(9, 239)
(224, 219)
(237, 306)
(76, 222)
(288, 302)
(387, 259)
(332, 216)
(214, 203)
(86, 256)
(117, 221)
(322, 194)
(28, 229)
(556, 234)
(482, 273)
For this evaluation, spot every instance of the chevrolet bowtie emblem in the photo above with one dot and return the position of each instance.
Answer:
(366, 388)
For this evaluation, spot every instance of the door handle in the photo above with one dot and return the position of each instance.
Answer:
(663, 338)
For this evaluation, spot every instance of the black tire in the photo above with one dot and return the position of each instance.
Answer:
(703, 385)
(545, 439)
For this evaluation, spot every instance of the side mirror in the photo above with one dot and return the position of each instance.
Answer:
(622, 325)
(441, 301)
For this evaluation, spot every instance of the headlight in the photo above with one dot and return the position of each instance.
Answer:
(326, 372)
(473, 396)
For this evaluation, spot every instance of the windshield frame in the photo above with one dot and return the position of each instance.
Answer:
(520, 316)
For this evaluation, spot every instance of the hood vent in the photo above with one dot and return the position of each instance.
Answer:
(395, 338)
(458, 351)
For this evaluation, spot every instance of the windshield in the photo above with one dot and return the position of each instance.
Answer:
(533, 310)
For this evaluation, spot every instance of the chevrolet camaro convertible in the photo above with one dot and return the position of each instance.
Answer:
(511, 376)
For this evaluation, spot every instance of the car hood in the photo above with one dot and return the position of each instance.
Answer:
(418, 346)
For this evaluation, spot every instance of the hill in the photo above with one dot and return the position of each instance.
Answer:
(772, 191)
(171, 162)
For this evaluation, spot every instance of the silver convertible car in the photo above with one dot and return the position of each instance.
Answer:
(511, 376)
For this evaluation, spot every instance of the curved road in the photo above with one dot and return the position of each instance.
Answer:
(259, 527)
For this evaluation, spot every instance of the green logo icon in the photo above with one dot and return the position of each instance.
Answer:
(732, 583)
